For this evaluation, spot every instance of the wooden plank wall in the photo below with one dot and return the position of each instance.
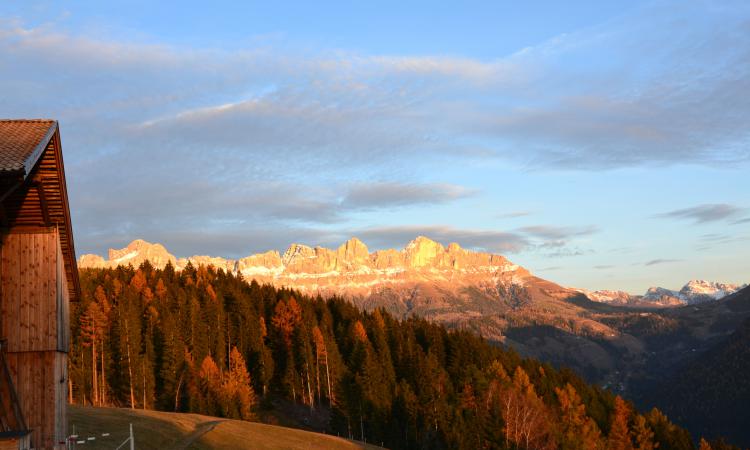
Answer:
(41, 395)
(29, 291)
(34, 320)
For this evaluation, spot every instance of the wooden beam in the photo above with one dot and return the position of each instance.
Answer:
(43, 202)
(20, 424)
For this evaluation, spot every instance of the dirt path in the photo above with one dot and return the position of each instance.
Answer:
(200, 430)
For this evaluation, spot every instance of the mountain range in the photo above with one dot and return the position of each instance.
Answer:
(351, 270)
(693, 292)
(447, 284)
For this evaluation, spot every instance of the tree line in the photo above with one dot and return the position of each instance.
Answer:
(206, 341)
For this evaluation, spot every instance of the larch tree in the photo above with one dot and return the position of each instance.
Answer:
(237, 389)
(210, 386)
(619, 435)
(577, 429)
(643, 435)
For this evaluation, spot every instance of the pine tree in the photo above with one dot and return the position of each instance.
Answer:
(92, 330)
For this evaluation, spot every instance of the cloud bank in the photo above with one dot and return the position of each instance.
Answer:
(249, 149)
(704, 213)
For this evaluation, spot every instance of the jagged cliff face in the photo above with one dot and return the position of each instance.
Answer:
(350, 269)
(135, 253)
(448, 284)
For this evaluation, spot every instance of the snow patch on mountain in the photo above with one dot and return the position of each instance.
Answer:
(693, 292)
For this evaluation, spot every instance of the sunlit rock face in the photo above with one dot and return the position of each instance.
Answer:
(92, 261)
(136, 253)
(350, 270)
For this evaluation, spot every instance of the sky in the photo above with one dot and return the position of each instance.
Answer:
(602, 145)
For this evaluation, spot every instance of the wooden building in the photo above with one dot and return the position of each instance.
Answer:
(38, 278)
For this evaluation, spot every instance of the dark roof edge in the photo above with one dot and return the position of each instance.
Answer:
(66, 206)
(39, 149)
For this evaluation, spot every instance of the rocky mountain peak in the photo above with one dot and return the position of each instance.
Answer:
(454, 248)
(139, 251)
(295, 252)
(353, 251)
(697, 291)
(655, 292)
(422, 251)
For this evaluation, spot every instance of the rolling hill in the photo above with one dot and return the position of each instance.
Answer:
(175, 431)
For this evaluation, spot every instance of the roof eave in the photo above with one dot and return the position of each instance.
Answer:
(39, 149)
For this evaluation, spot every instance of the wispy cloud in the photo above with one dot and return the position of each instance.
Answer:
(551, 232)
(513, 214)
(710, 212)
(655, 262)
(393, 194)
(711, 240)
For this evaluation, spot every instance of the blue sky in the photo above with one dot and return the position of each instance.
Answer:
(600, 144)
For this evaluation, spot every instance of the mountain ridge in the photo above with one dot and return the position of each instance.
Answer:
(350, 268)
(353, 269)
(692, 293)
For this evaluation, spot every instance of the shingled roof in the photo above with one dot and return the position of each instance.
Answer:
(33, 191)
(22, 142)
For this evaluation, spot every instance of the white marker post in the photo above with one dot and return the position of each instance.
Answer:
(131, 438)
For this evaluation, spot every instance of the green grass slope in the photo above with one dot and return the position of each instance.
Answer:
(173, 431)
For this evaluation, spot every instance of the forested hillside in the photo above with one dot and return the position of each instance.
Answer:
(206, 341)
(710, 393)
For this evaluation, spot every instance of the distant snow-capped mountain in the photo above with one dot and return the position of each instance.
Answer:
(694, 292)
